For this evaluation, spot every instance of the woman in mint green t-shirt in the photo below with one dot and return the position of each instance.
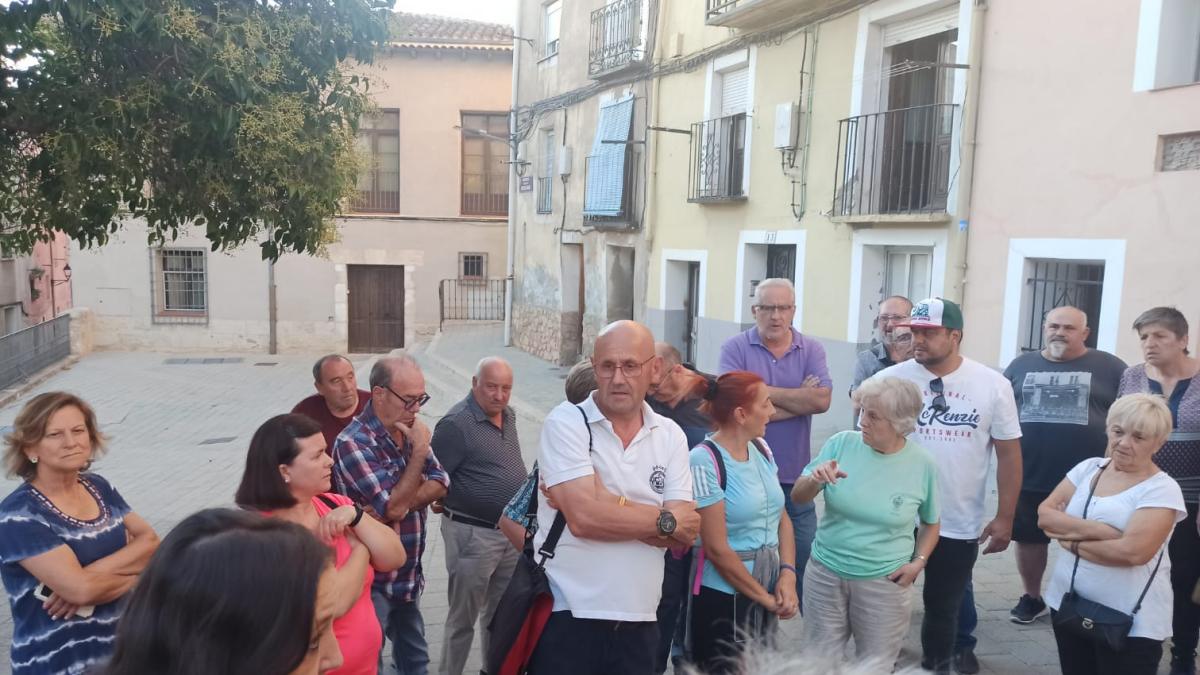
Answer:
(746, 577)
(876, 484)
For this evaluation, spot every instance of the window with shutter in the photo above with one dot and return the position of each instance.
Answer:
(608, 165)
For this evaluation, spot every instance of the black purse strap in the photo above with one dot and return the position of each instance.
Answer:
(560, 521)
(1075, 568)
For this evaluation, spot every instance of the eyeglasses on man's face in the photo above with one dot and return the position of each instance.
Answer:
(892, 318)
(771, 309)
(630, 369)
(411, 403)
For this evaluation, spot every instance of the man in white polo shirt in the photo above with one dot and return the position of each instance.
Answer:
(969, 410)
(624, 501)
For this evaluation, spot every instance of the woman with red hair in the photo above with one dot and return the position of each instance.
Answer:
(745, 574)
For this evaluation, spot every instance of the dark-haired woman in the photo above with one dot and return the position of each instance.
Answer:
(1170, 372)
(220, 569)
(70, 546)
(747, 574)
(287, 477)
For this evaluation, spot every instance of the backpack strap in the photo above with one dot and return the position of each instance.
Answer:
(560, 521)
(762, 447)
(718, 461)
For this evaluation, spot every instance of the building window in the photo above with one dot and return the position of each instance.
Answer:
(551, 22)
(472, 266)
(719, 146)
(13, 319)
(485, 164)
(1168, 45)
(908, 272)
(1054, 283)
(610, 168)
(379, 182)
(545, 181)
(180, 285)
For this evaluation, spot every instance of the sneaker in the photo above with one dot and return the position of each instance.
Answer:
(965, 662)
(1027, 610)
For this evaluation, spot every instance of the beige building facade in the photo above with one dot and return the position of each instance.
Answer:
(1087, 176)
(424, 239)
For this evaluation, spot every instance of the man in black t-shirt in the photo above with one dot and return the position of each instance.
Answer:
(1063, 394)
(672, 395)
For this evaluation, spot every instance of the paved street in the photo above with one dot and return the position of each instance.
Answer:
(179, 430)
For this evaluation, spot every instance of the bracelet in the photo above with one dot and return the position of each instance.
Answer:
(921, 558)
(785, 566)
(358, 514)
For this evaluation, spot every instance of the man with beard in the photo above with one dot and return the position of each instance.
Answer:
(891, 346)
(1063, 393)
(968, 410)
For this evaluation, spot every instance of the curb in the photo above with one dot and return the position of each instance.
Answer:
(13, 393)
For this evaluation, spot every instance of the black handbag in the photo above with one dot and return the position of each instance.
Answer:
(527, 603)
(1091, 620)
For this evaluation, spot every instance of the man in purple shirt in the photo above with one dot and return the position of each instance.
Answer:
(793, 366)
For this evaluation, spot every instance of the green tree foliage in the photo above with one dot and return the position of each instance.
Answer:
(230, 115)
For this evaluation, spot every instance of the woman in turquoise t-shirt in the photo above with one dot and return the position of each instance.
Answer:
(877, 483)
(746, 576)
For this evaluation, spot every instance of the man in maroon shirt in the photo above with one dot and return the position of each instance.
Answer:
(338, 398)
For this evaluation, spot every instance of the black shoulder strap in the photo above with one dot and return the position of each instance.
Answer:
(716, 453)
(762, 447)
(327, 501)
(560, 521)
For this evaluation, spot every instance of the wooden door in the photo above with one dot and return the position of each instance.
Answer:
(376, 307)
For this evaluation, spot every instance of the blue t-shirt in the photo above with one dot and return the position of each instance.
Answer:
(31, 525)
(753, 502)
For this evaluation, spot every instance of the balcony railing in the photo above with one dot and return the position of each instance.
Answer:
(489, 202)
(618, 39)
(626, 216)
(718, 159)
(376, 201)
(756, 13)
(895, 162)
(545, 195)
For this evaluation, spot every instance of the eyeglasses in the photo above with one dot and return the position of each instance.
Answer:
(630, 369)
(771, 309)
(892, 318)
(939, 399)
(410, 404)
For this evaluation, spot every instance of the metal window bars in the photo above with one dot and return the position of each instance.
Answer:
(179, 280)
(718, 159)
(618, 37)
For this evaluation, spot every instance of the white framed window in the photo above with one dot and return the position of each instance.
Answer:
(1168, 44)
(721, 146)
(546, 168)
(180, 285)
(1054, 282)
(766, 253)
(551, 24)
(472, 266)
(909, 272)
(892, 261)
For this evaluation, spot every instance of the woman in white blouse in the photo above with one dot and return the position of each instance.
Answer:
(1132, 507)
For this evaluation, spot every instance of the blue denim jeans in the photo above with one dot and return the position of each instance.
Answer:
(804, 528)
(403, 625)
(968, 619)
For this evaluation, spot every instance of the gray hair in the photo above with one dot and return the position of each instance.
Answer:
(581, 380)
(899, 401)
(1167, 317)
(670, 355)
(488, 361)
(773, 282)
(1082, 314)
(320, 364)
(385, 369)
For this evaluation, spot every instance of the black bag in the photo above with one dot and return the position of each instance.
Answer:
(525, 607)
(1080, 617)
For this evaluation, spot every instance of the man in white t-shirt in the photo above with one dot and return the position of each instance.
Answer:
(624, 501)
(969, 410)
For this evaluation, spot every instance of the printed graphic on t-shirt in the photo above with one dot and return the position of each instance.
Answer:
(959, 417)
(1056, 397)
(658, 479)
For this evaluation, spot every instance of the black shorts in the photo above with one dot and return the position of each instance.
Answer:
(1025, 523)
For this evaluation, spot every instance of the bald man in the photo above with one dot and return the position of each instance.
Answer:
(477, 445)
(619, 473)
(1063, 393)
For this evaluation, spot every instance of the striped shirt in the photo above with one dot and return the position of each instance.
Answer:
(1180, 455)
(367, 464)
(30, 525)
(483, 460)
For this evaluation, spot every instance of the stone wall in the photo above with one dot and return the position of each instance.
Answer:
(538, 330)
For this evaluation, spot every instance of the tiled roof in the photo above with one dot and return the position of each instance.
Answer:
(429, 29)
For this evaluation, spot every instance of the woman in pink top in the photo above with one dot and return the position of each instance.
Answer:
(287, 476)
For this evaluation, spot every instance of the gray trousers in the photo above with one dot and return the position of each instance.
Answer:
(876, 612)
(480, 562)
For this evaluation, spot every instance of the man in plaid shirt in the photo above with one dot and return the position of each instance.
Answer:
(383, 460)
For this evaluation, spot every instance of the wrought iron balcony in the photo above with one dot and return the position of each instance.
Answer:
(757, 13)
(718, 159)
(895, 162)
(618, 38)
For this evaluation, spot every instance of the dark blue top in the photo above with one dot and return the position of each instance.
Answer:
(31, 525)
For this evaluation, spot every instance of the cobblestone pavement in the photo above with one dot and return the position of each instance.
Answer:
(179, 431)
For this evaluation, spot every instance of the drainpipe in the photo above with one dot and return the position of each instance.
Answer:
(272, 307)
(970, 127)
(512, 182)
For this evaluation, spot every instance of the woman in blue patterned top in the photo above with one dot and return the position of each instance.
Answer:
(70, 547)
